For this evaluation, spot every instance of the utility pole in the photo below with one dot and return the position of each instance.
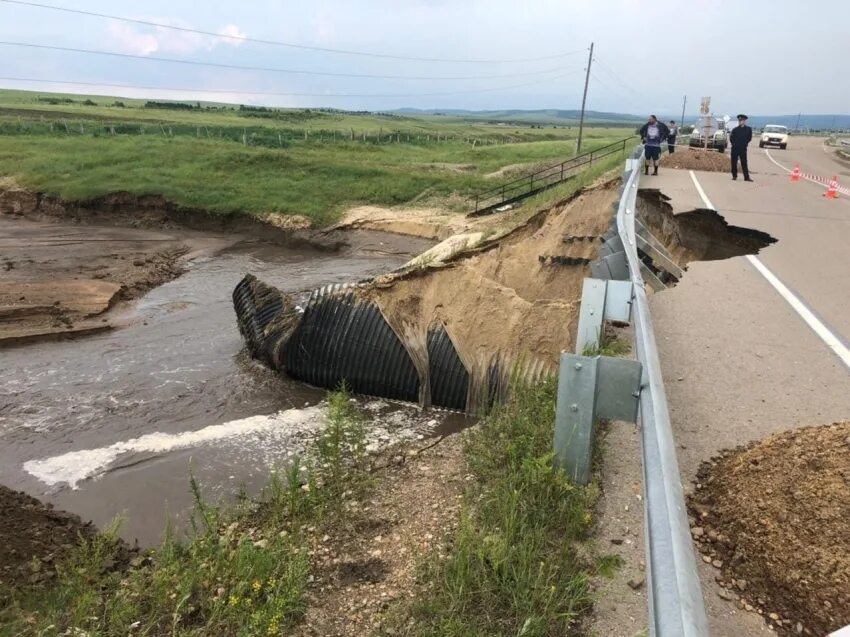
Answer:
(797, 127)
(584, 100)
(682, 121)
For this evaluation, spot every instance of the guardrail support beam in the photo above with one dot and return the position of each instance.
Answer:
(601, 300)
(591, 388)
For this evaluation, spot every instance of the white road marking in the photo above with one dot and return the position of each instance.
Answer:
(831, 340)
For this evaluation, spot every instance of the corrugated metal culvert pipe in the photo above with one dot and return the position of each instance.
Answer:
(338, 337)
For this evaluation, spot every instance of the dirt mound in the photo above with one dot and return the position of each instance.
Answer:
(33, 537)
(774, 517)
(697, 159)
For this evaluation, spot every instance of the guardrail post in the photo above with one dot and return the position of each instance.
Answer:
(591, 388)
(601, 300)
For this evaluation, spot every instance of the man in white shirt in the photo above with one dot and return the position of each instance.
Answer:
(671, 137)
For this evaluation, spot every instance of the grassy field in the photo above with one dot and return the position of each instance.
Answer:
(227, 160)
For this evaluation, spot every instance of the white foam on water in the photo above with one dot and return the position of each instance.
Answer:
(75, 466)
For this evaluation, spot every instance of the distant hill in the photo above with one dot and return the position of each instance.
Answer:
(542, 116)
(816, 122)
(570, 117)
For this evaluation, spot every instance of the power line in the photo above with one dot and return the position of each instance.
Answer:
(238, 67)
(280, 94)
(617, 79)
(616, 93)
(282, 43)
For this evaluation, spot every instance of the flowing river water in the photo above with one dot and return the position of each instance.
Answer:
(114, 424)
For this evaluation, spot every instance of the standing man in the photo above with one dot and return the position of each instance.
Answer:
(652, 134)
(740, 136)
(671, 138)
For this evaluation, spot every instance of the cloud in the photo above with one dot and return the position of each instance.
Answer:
(130, 41)
(143, 40)
(234, 35)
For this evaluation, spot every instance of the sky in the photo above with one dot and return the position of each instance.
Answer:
(755, 56)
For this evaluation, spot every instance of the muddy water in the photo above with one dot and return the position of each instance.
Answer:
(113, 424)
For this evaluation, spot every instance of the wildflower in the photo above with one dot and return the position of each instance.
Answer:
(274, 627)
(257, 585)
(233, 600)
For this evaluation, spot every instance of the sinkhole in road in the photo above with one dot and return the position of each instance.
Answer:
(454, 334)
(697, 235)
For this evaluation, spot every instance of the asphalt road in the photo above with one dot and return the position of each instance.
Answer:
(739, 361)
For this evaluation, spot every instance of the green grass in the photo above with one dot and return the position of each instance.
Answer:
(608, 345)
(241, 572)
(224, 162)
(512, 568)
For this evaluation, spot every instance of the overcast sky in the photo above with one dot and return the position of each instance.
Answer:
(757, 56)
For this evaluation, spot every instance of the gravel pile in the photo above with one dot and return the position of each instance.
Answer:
(772, 517)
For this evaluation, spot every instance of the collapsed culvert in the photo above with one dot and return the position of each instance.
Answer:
(454, 333)
(772, 516)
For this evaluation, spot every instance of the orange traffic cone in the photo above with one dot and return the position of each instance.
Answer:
(832, 191)
(795, 174)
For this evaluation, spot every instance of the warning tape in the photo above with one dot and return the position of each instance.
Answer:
(826, 182)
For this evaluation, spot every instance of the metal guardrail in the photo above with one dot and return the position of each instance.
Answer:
(542, 179)
(675, 596)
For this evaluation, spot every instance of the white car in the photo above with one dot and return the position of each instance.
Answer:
(774, 135)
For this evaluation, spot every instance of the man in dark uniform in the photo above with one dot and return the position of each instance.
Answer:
(740, 136)
(652, 134)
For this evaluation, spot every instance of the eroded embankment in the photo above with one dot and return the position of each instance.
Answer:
(132, 210)
(447, 335)
(66, 264)
(450, 332)
(61, 279)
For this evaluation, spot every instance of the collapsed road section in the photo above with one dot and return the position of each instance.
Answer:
(451, 333)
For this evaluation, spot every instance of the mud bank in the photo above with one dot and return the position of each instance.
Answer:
(66, 265)
(33, 538)
(61, 280)
(129, 210)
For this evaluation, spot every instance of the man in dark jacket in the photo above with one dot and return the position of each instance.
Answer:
(652, 134)
(740, 136)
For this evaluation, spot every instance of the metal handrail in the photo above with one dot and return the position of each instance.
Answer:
(543, 178)
(676, 607)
